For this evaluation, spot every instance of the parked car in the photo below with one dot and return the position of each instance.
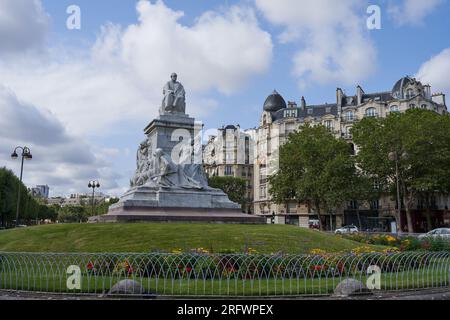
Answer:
(347, 229)
(437, 233)
(314, 224)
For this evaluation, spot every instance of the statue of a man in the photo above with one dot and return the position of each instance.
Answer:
(174, 96)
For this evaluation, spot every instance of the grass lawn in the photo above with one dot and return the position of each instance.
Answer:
(56, 282)
(148, 237)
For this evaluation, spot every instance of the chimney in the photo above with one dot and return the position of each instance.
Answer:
(339, 97)
(427, 89)
(359, 94)
(303, 103)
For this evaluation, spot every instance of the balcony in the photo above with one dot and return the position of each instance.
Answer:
(351, 119)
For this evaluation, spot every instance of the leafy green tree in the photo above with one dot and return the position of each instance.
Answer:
(315, 168)
(71, 214)
(417, 143)
(9, 186)
(234, 187)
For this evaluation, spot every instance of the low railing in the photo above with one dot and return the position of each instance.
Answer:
(221, 274)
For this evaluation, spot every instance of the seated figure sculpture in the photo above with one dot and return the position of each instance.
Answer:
(174, 96)
(167, 174)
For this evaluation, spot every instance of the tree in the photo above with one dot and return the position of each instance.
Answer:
(314, 168)
(419, 144)
(9, 186)
(70, 214)
(235, 188)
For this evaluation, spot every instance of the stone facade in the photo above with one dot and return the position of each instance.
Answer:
(226, 154)
(279, 119)
(231, 154)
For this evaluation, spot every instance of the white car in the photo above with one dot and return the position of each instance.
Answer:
(346, 229)
(437, 233)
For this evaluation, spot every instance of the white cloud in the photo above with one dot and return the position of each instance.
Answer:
(23, 25)
(121, 78)
(331, 36)
(436, 72)
(63, 161)
(116, 86)
(412, 12)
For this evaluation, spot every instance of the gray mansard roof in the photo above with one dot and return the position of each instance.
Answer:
(316, 111)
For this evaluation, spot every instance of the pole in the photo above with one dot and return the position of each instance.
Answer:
(399, 210)
(18, 192)
(93, 197)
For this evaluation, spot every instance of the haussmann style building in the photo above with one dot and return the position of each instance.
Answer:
(279, 119)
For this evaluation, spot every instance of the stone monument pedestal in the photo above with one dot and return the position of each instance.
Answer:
(150, 204)
(170, 184)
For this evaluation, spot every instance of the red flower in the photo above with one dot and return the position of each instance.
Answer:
(90, 266)
(316, 268)
(188, 269)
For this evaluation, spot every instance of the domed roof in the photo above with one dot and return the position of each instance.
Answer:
(397, 90)
(274, 102)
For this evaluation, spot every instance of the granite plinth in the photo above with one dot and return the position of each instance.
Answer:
(150, 204)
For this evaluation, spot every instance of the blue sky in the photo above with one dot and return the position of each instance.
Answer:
(401, 50)
(301, 48)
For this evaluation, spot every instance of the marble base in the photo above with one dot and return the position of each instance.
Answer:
(150, 204)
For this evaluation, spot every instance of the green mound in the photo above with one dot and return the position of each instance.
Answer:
(149, 237)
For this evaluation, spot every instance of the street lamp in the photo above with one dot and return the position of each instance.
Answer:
(26, 154)
(93, 184)
(394, 156)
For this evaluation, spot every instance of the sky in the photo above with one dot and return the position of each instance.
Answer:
(80, 98)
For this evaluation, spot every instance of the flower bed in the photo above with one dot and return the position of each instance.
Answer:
(407, 243)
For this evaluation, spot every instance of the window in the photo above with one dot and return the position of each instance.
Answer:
(375, 205)
(412, 106)
(394, 109)
(353, 205)
(228, 170)
(371, 112)
(349, 116)
(409, 93)
(352, 148)
(290, 113)
(424, 106)
(310, 111)
(329, 124)
(262, 192)
(347, 132)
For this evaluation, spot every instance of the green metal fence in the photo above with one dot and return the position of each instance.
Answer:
(221, 275)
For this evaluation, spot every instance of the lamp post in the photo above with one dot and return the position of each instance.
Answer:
(26, 154)
(393, 156)
(93, 184)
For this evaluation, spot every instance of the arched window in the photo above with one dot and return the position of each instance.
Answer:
(264, 119)
(393, 109)
(424, 106)
(349, 116)
(412, 106)
(371, 112)
(409, 93)
(329, 124)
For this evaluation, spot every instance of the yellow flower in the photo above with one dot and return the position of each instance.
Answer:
(391, 239)
(318, 252)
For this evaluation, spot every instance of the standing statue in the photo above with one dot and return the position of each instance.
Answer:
(174, 96)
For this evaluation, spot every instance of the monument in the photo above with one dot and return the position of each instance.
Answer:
(169, 184)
